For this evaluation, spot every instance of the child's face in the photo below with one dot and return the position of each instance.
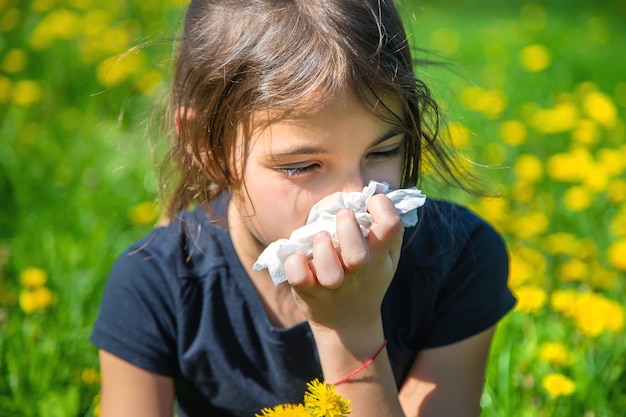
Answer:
(293, 163)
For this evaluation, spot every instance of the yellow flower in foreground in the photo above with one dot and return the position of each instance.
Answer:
(535, 58)
(32, 277)
(284, 410)
(530, 298)
(321, 400)
(554, 353)
(37, 299)
(558, 385)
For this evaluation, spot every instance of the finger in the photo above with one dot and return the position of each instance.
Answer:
(328, 267)
(298, 272)
(353, 247)
(387, 229)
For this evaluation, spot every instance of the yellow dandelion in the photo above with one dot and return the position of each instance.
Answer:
(459, 135)
(530, 298)
(573, 270)
(554, 353)
(33, 277)
(25, 93)
(143, 213)
(37, 299)
(523, 192)
(513, 132)
(613, 160)
(14, 61)
(586, 132)
(90, 376)
(603, 278)
(535, 58)
(558, 385)
(530, 225)
(116, 70)
(617, 254)
(600, 107)
(578, 198)
(564, 302)
(321, 400)
(562, 118)
(284, 410)
(565, 243)
(529, 168)
(595, 314)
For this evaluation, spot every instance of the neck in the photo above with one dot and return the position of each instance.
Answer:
(279, 304)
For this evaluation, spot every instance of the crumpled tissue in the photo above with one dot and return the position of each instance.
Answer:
(323, 216)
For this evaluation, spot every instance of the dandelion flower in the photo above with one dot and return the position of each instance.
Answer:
(143, 213)
(33, 277)
(321, 400)
(535, 58)
(554, 353)
(513, 132)
(558, 385)
(284, 410)
(530, 298)
(37, 299)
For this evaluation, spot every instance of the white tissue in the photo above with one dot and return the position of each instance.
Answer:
(323, 216)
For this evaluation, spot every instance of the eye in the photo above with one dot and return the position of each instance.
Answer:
(295, 171)
(388, 152)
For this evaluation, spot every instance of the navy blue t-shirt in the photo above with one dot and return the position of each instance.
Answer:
(179, 303)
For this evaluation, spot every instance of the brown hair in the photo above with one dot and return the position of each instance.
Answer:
(238, 57)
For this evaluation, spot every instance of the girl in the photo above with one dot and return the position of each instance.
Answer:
(276, 104)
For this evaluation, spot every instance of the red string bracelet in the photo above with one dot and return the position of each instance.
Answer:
(365, 365)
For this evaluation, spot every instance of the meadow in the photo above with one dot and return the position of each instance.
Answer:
(535, 94)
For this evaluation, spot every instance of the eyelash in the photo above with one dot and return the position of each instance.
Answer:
(295, 171)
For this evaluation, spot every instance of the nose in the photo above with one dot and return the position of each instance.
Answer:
(352, 181)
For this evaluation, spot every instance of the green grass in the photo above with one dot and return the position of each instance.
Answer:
(76, 159)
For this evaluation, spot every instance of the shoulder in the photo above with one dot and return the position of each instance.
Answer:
(447, 231)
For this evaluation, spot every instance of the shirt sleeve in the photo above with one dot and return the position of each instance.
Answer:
(136, 321)
(473, 293)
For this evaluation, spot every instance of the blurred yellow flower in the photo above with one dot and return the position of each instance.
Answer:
(564, 302)
(603, 278)
(32, 277)
(595, 314)
(554, 353)
(143, 213)
(14, 61)
(530, 225)
(25, 93)
(616, 190)
(513, 132)
(565, 243)
(573, 270)
(523, 192)
(617, 254)
(530, 299)
(58, 24)
(148, 82)
(600, 107)
(578, 198)
(612, 160)
(90, 376)
(535, 58)
(558, 385)
(36, 299)
(586, 132)
(570, 166)
(528, 168)
(10, 19)
(489, 102)
(562, 118)
(458, 135)
(116, 70)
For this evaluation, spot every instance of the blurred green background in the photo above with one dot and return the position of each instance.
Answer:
(535, 97)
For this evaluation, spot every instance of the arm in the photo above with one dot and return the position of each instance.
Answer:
(129, 391)
(448, 380)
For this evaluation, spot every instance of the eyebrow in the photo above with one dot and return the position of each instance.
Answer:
(310, 150)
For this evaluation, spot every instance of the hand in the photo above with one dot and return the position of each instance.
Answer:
(342, 287)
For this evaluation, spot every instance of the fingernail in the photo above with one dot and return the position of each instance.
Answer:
(320, 235)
